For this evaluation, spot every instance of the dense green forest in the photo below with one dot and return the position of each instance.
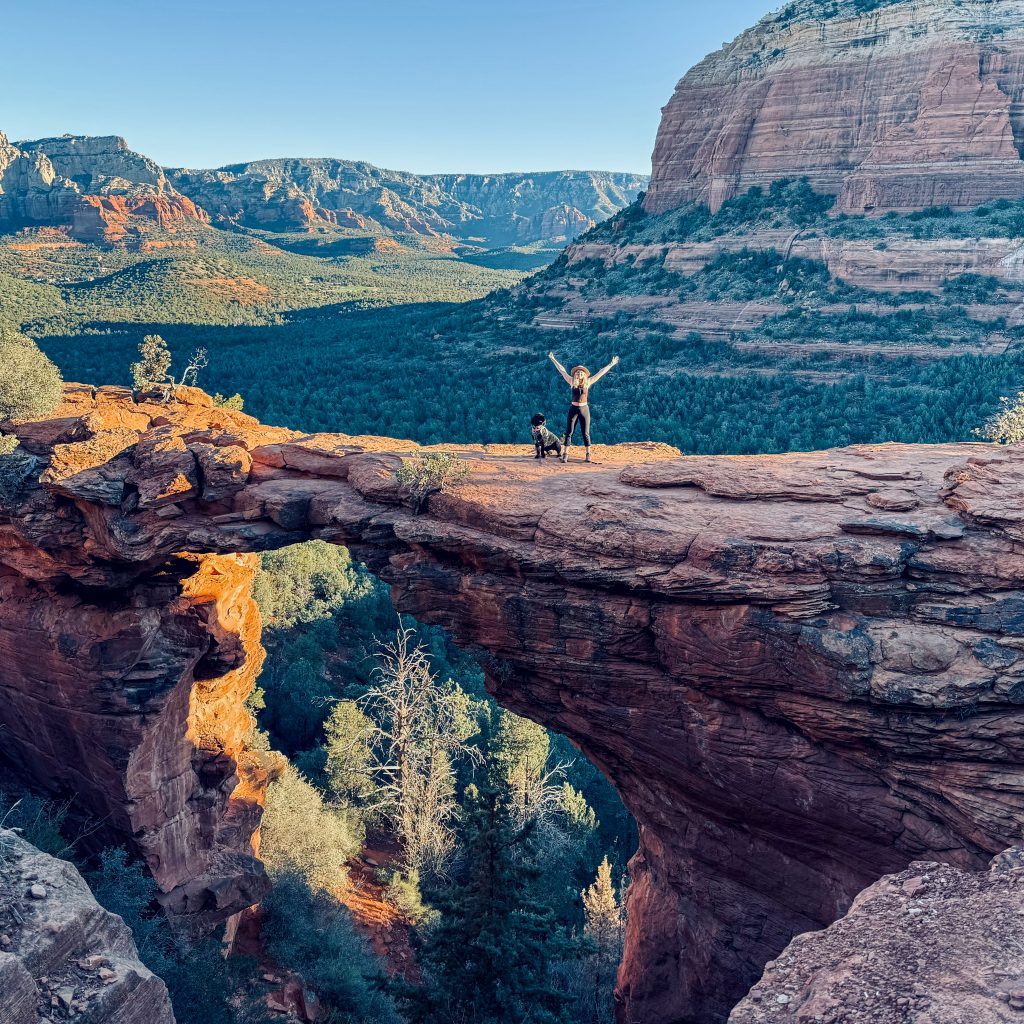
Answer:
(832, 365)
(378, 373)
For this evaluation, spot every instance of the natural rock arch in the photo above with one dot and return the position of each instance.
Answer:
(801, 672)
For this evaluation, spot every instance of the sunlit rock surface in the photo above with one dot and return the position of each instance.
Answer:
(912, 104)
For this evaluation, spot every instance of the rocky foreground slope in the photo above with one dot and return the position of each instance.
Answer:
(801, 672)
(102, 191)
(62, 956)
(932, 943)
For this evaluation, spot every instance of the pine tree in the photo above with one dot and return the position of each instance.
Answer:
(605, 927)
(486, 961)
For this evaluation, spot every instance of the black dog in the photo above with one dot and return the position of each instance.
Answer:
(543, 440)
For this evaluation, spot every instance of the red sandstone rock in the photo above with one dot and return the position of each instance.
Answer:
(801, 672)
(112, 218)
(910, 105)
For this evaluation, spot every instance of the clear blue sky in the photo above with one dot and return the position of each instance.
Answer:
(455, 85)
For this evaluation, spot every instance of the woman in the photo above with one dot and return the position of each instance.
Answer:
(580, 382)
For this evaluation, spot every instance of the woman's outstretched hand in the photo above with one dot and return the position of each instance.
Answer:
(615, 360)
(551, 355)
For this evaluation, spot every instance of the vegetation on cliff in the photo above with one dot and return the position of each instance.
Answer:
(393, 735)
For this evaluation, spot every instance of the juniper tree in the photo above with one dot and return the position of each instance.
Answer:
(153, 370)
(30, 385)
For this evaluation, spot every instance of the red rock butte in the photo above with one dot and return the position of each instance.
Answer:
(801, 672)
(913, 104)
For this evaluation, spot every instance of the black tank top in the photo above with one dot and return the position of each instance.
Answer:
(579, 395)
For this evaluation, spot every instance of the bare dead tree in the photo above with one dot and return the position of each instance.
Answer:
(419, 733)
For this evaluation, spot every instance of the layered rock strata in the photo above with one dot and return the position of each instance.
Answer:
(97, 187)
(801, 672)
(892, 106)
(104, 192)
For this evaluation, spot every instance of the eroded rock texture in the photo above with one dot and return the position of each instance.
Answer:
(933, 943)
(801, 672)
(915, 103)
(61, 953)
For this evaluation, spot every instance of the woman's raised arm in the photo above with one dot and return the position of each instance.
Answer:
(561, 369)
(600, 373)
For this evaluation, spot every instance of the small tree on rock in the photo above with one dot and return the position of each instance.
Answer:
(430, 474)
(153, 370)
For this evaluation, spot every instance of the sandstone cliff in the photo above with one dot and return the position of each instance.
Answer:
(97, 187)
(62, 956)
(105, 192)
(897, 106)
(801, 672)
(880, 140)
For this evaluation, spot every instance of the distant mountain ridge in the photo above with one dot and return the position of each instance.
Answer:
(100, 190)
(503, 209)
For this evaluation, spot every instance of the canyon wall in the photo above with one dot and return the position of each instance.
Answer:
(893, 106)
(95, 186)
(499, 209)
(801, 672)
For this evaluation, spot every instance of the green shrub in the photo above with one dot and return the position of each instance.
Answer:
(30, 385)
(403, 890)
(430, 474)
(304, 837)
(307, 582)
(1006, 426)
(235, 402)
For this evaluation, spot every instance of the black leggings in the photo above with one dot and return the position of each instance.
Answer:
(581, 413)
